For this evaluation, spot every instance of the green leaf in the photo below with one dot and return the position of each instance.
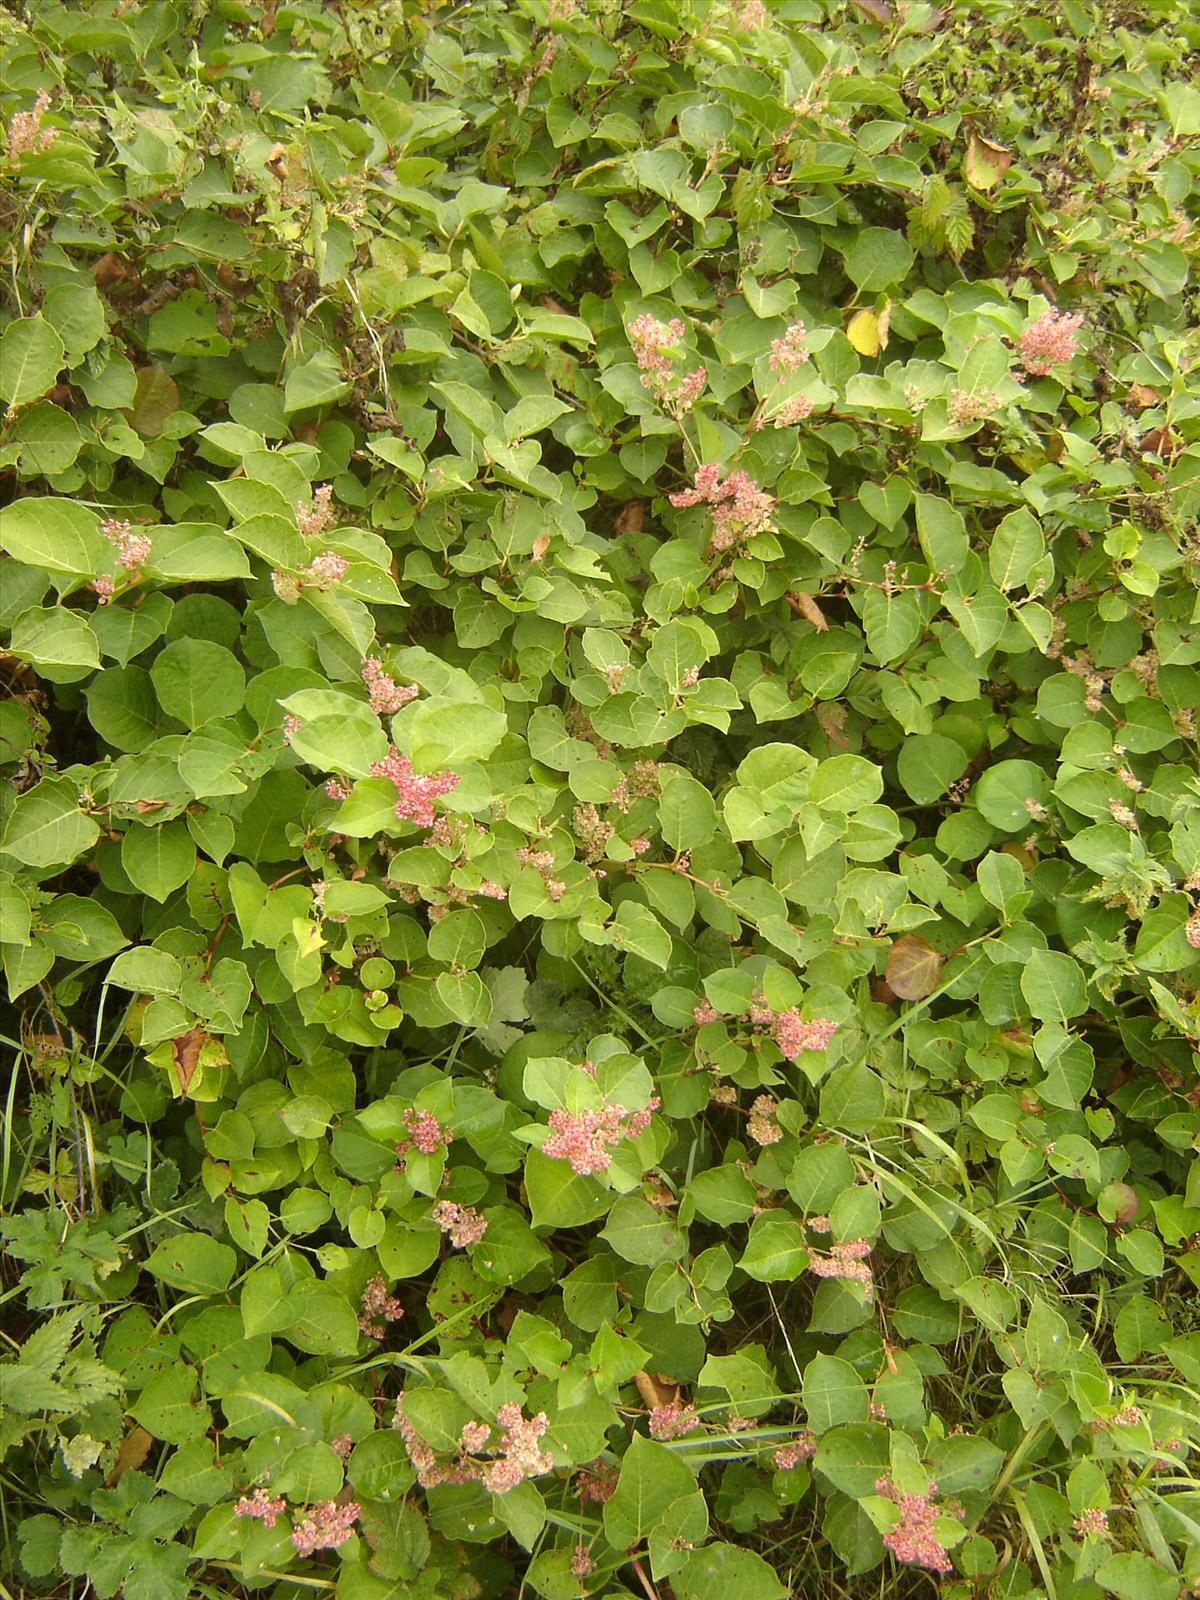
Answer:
(58, 535)
(193, 1262)
(46, 828)
(198, 681)
(833, 1394)
(1054, 986)
(31, 357)
(877, 259)
(721, 1570)
(159, 859)
(445, 733)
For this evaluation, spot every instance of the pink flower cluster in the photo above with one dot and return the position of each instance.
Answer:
(791, 1455)
(912, 1538)
(415, 793)
(387, 696)
(798, 409)
(587, 1139)
(654, 346)
(1093, 1522)
(517, 1456)
(326, 1526)
(595, 1484)
(326, 569)
(1052, 338)
(740, 509)
(848, 1260)
(463, 1224)
(673, 1420)
(133, 549)
(1191, 930)
(581, 1561)
(261, 1507)
(793, 1034)
(378, 1307)
(424, 1132)
(316, 517)
(25, 131)
(790, 351)
(704, 1013)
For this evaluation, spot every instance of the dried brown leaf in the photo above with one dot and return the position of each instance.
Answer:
(134, 1449)
(914, 967)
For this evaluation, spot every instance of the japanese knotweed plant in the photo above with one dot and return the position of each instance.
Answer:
(600, 823)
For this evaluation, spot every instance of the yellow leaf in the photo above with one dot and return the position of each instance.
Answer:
(986, 162)
(863, 332)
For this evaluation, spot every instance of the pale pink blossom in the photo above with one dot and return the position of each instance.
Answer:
(327, 1526)
(103, 588)
(387, 696)
(639, 846)
(1049, 340)
(798, 409)
(588, 1138)
(1191, 930)
(793, 1034)
(790, 351)
(1091, 1523)
(491, 890)
(316, 517)
(673, 1420)
(261, 1507)
(704, 1013)
(655, 348)
(337, 789)
(422, 1131)
(326, 569)
(912, 1538)
(342, 1444)
(846, 1260)
(474, 1437)
(415, 792)
(133, 549)
(740, 509)
(291, 726)
(463, 1224)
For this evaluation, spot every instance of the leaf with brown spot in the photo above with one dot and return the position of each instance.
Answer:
(986, 162)
(134, 1449)
(185, 1053)
(914, 967)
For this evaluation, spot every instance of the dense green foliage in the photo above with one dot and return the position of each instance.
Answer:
(600, 823)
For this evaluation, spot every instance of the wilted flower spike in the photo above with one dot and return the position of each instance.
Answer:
(25, 131)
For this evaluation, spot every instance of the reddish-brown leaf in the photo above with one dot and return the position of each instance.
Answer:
(134, 1449)
(185, 1052)
(914, 967)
